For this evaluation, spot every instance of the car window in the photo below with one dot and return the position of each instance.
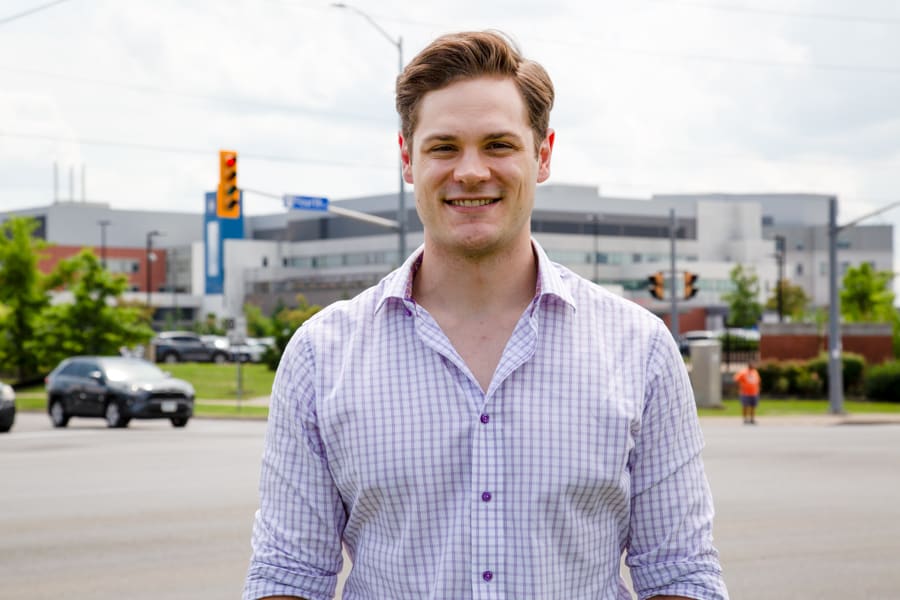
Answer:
(70, 369)
(85, 368)
(132, 370)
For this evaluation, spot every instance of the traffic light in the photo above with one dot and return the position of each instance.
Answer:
(690, 285)
(228, 196)
(657, 287)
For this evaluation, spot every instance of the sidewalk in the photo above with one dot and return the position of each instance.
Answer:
(810, 420)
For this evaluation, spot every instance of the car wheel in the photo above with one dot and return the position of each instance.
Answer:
(113, 415)
(179, 421)
(5, 426)
(219, 358)
(170, 357)
(58, 415)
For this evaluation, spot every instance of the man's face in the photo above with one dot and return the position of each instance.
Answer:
(474, 167)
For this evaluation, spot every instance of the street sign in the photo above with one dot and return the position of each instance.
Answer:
(306, 203)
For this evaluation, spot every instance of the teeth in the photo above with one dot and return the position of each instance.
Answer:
(468, 203)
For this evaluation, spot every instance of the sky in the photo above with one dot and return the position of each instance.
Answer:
(653, 96)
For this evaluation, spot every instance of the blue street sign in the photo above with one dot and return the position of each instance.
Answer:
(306, 203)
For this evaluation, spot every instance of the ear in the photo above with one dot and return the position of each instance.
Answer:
(544, 153)
(405, 150)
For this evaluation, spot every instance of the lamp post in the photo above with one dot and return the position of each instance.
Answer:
(150, 236)
(401, 197)
(103, 223)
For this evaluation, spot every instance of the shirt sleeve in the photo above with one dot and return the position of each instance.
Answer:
(297, 530)
(670, 550)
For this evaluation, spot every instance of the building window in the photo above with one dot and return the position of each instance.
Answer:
(265, 261)
(799, 270)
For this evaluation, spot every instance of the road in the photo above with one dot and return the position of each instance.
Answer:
(804, 510)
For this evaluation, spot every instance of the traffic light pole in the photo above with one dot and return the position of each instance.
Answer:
(673, 320)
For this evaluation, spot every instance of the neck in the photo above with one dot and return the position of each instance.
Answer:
(476, 285)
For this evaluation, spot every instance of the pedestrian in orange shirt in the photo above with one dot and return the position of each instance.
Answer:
(748, 382)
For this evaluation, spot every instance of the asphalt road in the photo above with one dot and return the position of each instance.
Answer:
(805, 510)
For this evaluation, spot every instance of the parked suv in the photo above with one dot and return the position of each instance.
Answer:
(181, 346)
(118, 389)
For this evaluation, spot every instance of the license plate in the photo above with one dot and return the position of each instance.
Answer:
(169, 406)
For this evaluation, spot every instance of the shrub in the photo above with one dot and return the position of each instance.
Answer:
(769, 374)
(883, 382)
(808, 384)
(853, 369)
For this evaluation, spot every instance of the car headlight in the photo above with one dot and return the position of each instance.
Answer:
(7, 393)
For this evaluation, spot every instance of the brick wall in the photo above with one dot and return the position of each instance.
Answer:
(800, 341)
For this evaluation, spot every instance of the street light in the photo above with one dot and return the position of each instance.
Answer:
(401, 197)
(103, 223)
(150, 236)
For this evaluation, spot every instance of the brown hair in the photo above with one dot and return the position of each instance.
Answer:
(466, 55)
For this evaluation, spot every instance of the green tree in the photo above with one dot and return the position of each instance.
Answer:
(866, 295)
(94, 322)
(285, 322)
(23, 295)
(794, 301)
(258, 325)
(744, 309)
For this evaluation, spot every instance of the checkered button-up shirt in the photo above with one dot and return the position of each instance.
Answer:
(585, 445)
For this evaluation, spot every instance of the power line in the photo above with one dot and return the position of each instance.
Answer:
(30, 11)
(786, 13)
(149, 89)
(194, 151)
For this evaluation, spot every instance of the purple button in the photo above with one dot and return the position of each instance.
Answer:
(486, 496)
(487, 575)
(485, 419)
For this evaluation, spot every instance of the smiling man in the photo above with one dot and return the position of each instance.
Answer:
(483, 423)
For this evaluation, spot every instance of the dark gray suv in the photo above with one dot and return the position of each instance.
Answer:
(118, 389)
(184, 346)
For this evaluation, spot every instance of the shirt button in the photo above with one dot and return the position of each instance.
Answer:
(485, 419)
(487, 575)
(486, 496)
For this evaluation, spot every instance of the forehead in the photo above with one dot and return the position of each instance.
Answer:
(470, 106)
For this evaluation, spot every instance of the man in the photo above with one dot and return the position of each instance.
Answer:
(748, 383)
(483, 423)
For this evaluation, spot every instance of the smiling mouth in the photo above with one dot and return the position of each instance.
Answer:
(472, 202)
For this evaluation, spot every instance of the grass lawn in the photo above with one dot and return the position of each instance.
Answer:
(219, 382)
(771, 407)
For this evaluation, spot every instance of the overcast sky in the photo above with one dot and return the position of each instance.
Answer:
(653, 96)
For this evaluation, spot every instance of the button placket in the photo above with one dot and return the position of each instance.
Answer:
(487, 520)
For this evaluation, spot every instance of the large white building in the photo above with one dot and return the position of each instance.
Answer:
(215, 266)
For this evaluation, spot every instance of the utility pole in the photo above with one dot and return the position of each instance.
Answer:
(673, 321)
(103, 223)
(835, 366)
(780, 249)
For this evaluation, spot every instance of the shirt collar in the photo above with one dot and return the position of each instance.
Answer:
(398, 285)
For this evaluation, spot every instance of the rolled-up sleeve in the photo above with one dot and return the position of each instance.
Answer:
(670, 549)
(297, 530)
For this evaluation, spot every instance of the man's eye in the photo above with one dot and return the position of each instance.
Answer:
(500, 146)
(441, 148)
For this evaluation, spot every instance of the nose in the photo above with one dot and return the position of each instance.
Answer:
(471, 168)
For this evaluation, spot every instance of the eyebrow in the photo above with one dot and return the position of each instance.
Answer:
(447, 137)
